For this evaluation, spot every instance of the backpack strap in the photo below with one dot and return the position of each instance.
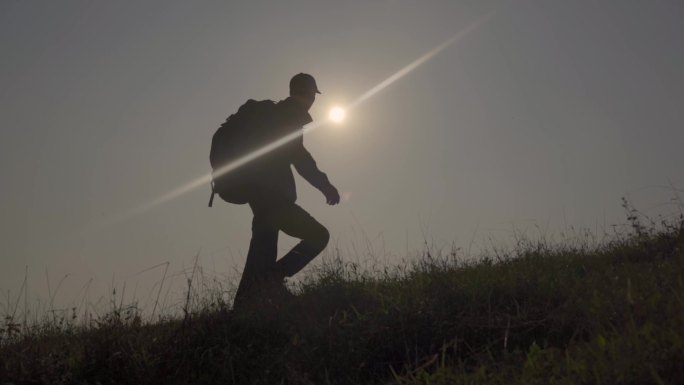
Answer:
(213, 192)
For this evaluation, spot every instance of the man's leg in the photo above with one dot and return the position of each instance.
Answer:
(261, 257)
(296, 222)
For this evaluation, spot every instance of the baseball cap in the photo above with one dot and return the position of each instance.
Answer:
(303, 83)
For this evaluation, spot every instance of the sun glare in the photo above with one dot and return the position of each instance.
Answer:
(337, 114)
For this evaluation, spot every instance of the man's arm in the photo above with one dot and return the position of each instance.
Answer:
(306, 167)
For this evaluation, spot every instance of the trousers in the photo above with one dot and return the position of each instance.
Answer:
(272, 215)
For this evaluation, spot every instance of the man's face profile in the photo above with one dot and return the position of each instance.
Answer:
(306, 99)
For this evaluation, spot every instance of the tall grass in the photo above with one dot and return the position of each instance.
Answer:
(567, 313)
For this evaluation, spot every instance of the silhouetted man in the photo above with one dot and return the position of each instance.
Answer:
(272, 194)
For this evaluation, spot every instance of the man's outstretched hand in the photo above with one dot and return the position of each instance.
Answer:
(332, 197)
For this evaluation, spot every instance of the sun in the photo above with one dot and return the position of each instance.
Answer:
(337, 114)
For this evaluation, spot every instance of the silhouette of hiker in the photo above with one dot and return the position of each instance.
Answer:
(272, 194)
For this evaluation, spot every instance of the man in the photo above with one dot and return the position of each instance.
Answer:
(272, 196)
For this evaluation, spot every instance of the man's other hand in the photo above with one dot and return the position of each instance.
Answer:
(332, 197)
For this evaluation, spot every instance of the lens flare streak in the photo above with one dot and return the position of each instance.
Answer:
(206, 179)
(418, 62)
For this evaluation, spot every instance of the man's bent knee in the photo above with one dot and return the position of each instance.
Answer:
(321, 238)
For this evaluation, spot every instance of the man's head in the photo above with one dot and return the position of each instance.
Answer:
(303, 88)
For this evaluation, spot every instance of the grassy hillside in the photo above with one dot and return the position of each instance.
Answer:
(561, 314)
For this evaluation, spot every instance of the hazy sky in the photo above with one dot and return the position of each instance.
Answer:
(544, 116)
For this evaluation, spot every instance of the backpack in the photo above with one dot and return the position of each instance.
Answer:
(239, 135)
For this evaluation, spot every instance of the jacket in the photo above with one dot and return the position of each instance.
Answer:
(272, 173)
